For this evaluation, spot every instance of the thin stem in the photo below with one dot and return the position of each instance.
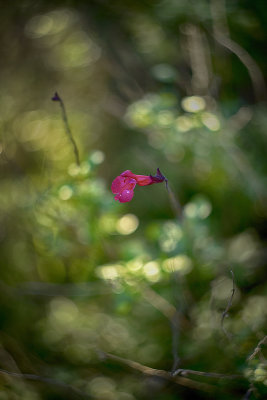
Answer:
(157, 372)
(229, 305)
(175, 325)
(43, 379)
(257, 348)
(56, 97)
(177, 208)
(207, 374)
(252, 67)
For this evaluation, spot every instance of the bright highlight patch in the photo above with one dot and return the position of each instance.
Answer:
(193, 104)
(210, 121)
(108, 272)
(97, 157)
(127, 224)
(65, 192)
(152, 271)
(184, 124)
(181, 263)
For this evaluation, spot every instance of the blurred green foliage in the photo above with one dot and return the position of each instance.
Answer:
(170, 84)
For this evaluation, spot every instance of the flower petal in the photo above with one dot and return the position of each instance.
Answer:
(143, 180)
(125, 196)
(117, 184)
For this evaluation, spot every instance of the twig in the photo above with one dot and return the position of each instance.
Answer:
(222, 35)
(252, 67)
(175, 340)
(158, 373)
(171, 313)
(250, 390)
(56, 97)
(174, 202)
(38, 378)
(229, 304)
(199, 57)
(54, 289)
(159, 302)
(207, 374)
(257, 348)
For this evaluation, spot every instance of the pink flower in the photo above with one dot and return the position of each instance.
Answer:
(123, 186)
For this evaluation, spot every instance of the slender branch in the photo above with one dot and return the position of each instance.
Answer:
(54, 289)
(222, 36)
(56, 97)
(158, 372)
(175, 324)
(252, 67)
(159, 302)
(240, 119)
(38, 378)
(250, 390)
(199, 58)
(207, 374)
(229, 305)
(177, 208)
(257, 348)
(171, 313)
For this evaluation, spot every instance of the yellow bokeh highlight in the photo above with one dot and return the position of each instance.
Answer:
(63, 311)
(135, 265)
(165, 118)
(127, 224)
(193, 104)
(65, 192)
(172, 234)
(49, 24)
(152, 271)
(139, 113)
(202, 210)
(108, 272)
(181, 263)
(97, 157)
(210, 121)
(74, 169)
(184, 123)
(102, 387)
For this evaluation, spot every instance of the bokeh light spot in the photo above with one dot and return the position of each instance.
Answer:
(97, 157)
(210, 121)
(193, 104)
(181, 263)
(184, 123)
(127, 224)
(152, 271)
(108, 272)
(65, 192)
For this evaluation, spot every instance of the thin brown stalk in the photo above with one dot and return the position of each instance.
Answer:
(68, 132)
(176, 206)
(229, 305)
(257, 348)
(189, 383)
(207, 374)
(50, 381)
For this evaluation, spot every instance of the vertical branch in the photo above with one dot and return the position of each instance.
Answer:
(176, 206)
(229, 305)
(56, 97)
(257, 349)
(175, 325)
(222, 36)
(219, 17)
(175, 321)
(199, 58)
